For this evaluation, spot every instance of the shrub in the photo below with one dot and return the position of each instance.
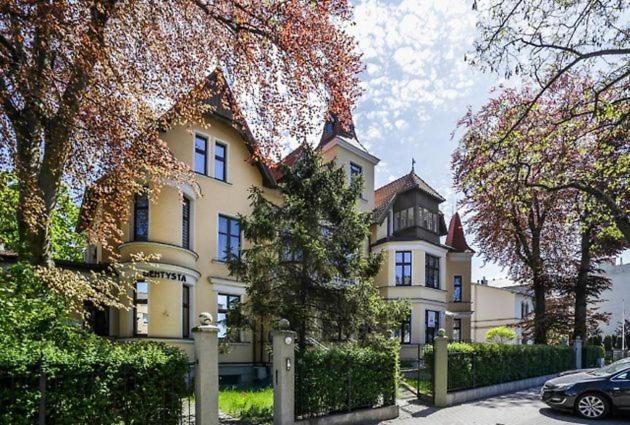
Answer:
(477, 365)
(501, 335)
(104, 383)
(344, 379)
(591, 355)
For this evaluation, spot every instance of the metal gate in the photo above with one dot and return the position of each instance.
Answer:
(418, 370)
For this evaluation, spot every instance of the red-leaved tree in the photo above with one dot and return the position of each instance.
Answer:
(87, 86)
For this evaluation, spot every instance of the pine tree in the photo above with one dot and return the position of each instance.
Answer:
(306, 259)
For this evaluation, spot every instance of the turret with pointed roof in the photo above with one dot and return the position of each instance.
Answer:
(456, 238)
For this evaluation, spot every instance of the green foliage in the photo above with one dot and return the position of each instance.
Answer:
(591, 355)
(254, 406)
(98, 382)
(307, 261)
(480, 365)
(31, 312)
(66, 243)
(89, 379)
(345, 378)
(501, 335)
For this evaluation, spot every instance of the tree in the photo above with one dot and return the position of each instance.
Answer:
(501, 335)
(87, 87)
(305, 261)
(500, 167)
(518, 225)
(66, 243)
(546, 40)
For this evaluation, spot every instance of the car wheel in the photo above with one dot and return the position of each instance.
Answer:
(592, 406)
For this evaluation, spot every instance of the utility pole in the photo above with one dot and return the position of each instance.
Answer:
(623, 324)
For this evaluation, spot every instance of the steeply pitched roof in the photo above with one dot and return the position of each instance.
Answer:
(385, 195)
(456, 238)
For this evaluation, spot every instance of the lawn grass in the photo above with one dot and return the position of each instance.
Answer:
(425, 385)
(255, 406)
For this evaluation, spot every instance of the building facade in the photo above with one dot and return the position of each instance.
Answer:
(191, 237)
(433, 276)
(495, 306)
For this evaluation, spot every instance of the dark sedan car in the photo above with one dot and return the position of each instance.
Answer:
(592, 393)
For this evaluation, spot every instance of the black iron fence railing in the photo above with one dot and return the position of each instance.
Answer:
(418, 372)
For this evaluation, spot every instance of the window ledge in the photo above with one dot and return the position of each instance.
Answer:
(214, 179)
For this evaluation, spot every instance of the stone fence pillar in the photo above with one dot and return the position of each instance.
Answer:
(283, 342)
(440, 370)
(577, 347)
(206, 372)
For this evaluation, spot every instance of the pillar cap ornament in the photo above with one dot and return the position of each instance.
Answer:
(205, 318)
(441, 332)
(283, 325)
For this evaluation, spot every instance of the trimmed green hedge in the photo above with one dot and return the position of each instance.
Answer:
(478, 365)
(591, 355)
(104, 383)
(343, 379)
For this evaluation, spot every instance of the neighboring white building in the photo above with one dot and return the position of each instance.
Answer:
(506, 304)
(613, 299)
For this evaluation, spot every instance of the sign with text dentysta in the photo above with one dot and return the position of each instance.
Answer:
(179, 277)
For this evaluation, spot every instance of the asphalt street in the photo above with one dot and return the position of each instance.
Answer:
(520, 408)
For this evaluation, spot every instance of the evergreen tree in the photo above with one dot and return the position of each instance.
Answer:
(306, 261)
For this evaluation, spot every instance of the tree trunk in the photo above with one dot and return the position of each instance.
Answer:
(540, 321)
(581, 285)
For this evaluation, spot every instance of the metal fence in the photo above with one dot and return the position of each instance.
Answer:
(616, 354)
(418, 373)
(36, 397)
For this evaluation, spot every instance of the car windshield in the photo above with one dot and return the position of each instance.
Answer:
(618, 366)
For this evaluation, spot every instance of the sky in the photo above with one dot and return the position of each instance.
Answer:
(416, 87)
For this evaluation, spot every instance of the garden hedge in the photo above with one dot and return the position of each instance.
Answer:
(104, 383)
(478, 365)
(343, 379)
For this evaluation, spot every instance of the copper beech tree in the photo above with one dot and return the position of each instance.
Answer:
(86, 88)
(544, 40)
(534, 232)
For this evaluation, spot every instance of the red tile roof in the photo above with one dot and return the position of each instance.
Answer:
(384, 195)
(456, 238)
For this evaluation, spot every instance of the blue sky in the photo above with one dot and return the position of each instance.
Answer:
(417, 86)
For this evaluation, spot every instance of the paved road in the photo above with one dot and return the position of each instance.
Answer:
(520, 408)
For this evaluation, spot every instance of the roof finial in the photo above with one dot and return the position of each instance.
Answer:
(413, 164)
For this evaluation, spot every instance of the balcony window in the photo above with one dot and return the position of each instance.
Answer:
(403, 268)
(229, 238)
(141, 218)
(225, 303)
(141, 309)
(403, 219)
(428, 219)
(432, 271)
(201, 155)
(457, 288)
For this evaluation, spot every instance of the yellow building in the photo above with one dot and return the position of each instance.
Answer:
(433, 276)
(193, 236)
